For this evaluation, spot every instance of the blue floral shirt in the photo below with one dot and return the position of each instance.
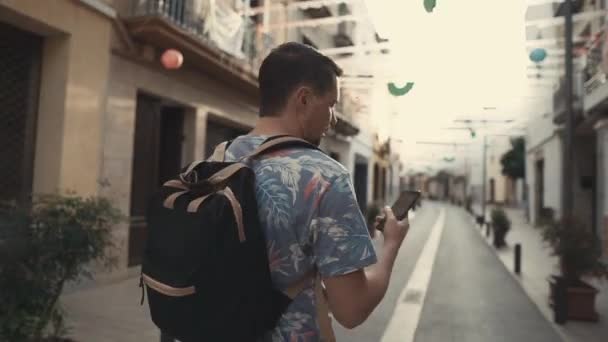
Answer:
(308, 210)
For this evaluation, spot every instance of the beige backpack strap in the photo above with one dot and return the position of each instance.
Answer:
(219, 154)
(274, 142)
(327, 331)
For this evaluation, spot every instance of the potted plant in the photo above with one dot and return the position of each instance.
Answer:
(579, 251)
(44, 245)
(500, 226)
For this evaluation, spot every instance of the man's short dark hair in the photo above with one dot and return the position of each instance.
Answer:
(291, 65)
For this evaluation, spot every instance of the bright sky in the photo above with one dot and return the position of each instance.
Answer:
(466, 55)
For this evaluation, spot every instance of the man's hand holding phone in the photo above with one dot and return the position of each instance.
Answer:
(394, 231)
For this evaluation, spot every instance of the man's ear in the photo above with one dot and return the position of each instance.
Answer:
(303, 95)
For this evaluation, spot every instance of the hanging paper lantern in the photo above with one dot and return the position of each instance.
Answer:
(400, 91)
(172, 59)
(538, 55)
(429, 5)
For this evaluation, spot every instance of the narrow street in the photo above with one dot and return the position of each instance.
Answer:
(470, 296)
(496, 106)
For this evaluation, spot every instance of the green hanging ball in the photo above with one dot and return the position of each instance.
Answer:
(429, 5)
(400, 91)
(538, 55)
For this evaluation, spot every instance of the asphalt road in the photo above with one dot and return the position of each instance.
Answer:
(470, 296)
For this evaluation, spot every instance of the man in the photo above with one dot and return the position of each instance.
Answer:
(306, 201)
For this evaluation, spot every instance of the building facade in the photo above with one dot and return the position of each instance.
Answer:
(97, 114)
(90, 108)
(545, 138)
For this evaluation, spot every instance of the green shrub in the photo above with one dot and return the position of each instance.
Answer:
(500, 226)
(577, 247)
(43, 246)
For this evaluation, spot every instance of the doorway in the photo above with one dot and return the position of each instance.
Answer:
(157, 157)
(360, 184)
(20, 62)
(539, 188)
(217, 133)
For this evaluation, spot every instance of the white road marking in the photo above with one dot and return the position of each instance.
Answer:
(404, 322)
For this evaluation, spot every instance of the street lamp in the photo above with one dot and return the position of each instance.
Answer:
(569, 129)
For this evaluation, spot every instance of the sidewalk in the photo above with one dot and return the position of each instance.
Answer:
(112, 312)
(109, 313)
(537, 265)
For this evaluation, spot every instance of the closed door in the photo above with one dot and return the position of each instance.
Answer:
(360, 185)
(156, 159)
(20, 62)
(539, 187)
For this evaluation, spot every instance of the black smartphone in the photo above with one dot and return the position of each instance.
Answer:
(406, 201)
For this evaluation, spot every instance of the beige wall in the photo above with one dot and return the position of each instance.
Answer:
(74, 76)
(494, 171)
(193, 90)
(87, 103)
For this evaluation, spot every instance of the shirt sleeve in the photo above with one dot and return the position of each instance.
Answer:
(341, 240)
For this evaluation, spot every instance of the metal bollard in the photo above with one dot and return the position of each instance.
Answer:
(518, 258)
(560, 303)
(480, 221)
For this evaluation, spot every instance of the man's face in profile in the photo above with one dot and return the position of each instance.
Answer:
(319, 114)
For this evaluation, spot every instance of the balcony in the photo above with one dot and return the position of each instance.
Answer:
(345, 125)
(559, 98)
(344, 36)
(345, 33)
(596, 87)
(212, 36)
(382, 40)
(316, 12)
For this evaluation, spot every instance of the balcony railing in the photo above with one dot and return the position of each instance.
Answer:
(213, 23)
(595, 68)
(344, 36)
(559, 97)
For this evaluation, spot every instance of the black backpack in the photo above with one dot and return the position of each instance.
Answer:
(205, 265)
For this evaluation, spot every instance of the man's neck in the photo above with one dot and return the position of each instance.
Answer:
(273, 126)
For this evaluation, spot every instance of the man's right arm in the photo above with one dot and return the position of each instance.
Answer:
(353, 297)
